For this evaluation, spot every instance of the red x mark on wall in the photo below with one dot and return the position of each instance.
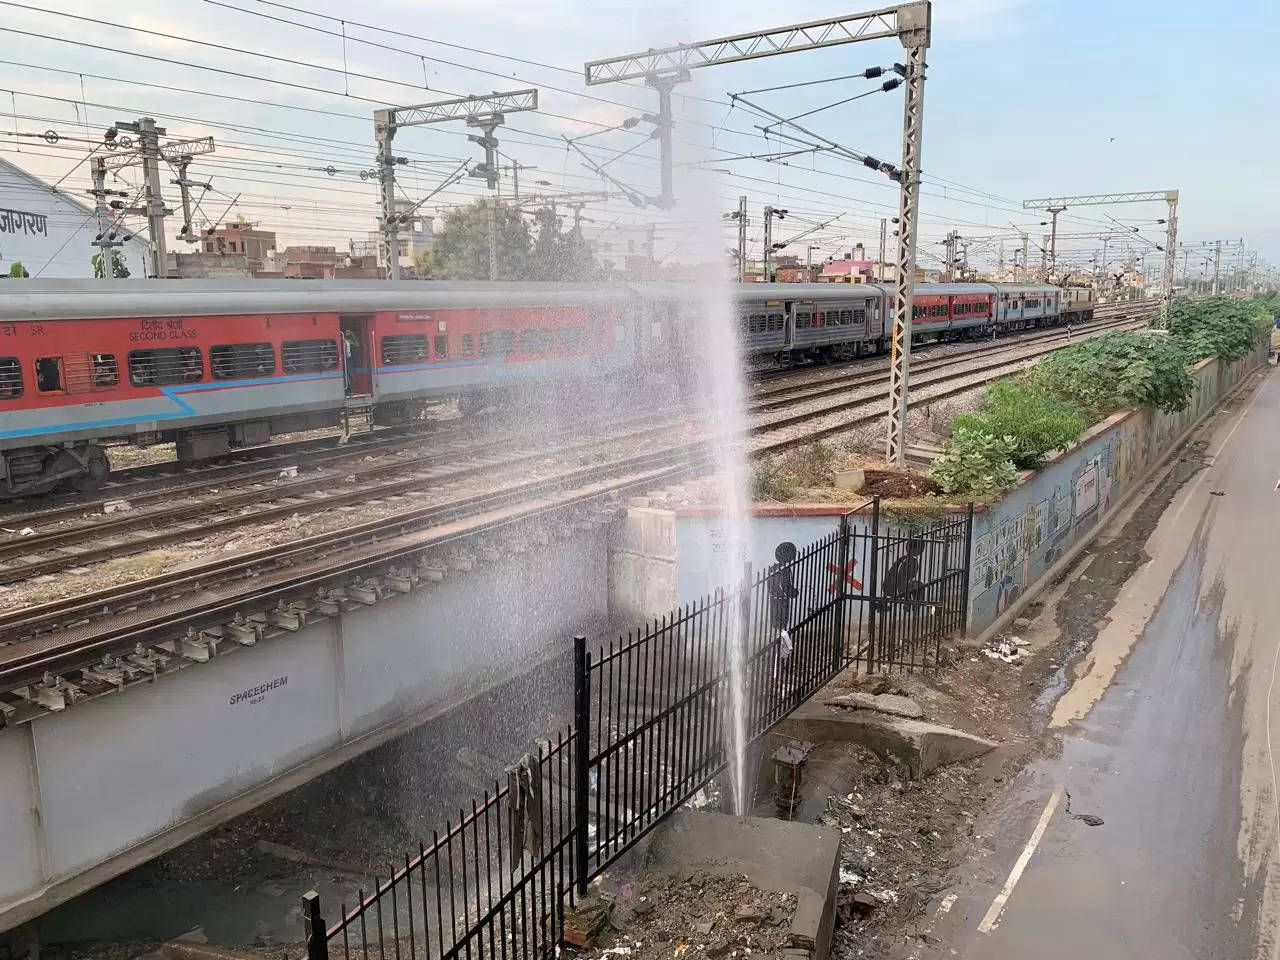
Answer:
(844, 574)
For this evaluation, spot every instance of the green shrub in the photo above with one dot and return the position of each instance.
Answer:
(769, 481)
(811, 464)
(1120, 369)
(1038, 422)
(973, 463)
(1217, 327)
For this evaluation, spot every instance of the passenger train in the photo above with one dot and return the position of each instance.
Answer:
(212, 366)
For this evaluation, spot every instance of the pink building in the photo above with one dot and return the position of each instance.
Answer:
(846, 271)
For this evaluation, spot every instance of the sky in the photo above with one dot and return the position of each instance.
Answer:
(1023, 99)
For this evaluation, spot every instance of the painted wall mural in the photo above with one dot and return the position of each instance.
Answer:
(1019, 538)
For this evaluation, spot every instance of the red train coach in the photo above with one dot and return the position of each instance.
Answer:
(212, 366)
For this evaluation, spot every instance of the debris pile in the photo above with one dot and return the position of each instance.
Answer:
(1006, 649)
(695, 915)
(899, 842)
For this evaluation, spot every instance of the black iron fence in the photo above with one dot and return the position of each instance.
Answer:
(657, 715)
(493, 883)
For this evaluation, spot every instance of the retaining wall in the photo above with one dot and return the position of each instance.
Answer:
(1017, 539)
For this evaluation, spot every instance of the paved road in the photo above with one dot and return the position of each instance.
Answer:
(1167, 739)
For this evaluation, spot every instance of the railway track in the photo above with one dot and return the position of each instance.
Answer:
(195, 511)
(238, 599)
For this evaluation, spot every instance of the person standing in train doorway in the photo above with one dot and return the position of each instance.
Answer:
(348, 353)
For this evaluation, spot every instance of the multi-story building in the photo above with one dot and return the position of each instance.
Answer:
(242, 239)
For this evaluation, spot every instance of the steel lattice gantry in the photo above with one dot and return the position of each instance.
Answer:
(484, 111)
(910, 23)
(1140, 196)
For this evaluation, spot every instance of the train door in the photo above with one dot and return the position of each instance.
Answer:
(357, 353)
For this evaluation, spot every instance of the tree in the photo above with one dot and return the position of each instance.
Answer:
(545, 252)
(461, 249)
(119, 266)
(16, 272)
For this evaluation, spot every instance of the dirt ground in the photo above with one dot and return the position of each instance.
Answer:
(696, 916)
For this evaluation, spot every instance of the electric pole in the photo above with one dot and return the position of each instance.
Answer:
(910, 23)
(884, 239)
(148, 153)
(949, 242)
(489, 172)
(1217, 262)
(742, 238)
(105, 240)
(186, 233)
(1053, 238)
(485, 112)
(769, 214)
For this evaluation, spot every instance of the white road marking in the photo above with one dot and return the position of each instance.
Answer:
(997, 905)
(945, 906)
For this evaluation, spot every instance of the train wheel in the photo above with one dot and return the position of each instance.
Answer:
(97, 469)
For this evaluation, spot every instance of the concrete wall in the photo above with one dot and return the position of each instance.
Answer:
(90, 792)
(661, 558)
(1017, 539)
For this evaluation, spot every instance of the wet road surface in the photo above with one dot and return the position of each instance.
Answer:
(1166, 739)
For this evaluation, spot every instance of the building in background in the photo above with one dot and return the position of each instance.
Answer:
(325, 263)
(628, 248)
(242, 239)
(51, 233)
(208, 266)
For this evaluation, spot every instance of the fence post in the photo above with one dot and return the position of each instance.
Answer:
(582, 757)
(968, 563)
(874, 591)
(838, 648)
(314, 927)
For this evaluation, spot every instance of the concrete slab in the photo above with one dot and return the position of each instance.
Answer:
(915, 746)
(775, 855)
(880, 703)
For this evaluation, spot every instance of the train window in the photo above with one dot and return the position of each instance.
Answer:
(466, 345)
(404, 348)
(106, 372)
(819, 318)
(309, 356)
(860, 315)
(497, 343)
(164, 366)
(49, 375)
(803, 320)
(571, 339)
(236, 361)
(846, 318)
(536, 340)
(775, 322)
(10, 378)
(440, 346)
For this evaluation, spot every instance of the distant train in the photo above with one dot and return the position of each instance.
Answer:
(789, 322)
(212, 366)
